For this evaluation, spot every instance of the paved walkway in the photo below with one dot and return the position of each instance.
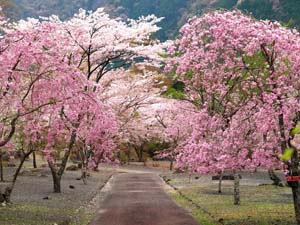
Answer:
(139, 199)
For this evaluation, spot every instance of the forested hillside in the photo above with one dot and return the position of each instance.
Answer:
(175, 12)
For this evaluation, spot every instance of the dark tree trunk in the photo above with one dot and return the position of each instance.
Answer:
(293, 166)
(295, 190)
(57, 173)
(128, 156)
(34, 160)
(139, 153)
(12, 131)
(84, 175)
(285, 141)
(97, 161)
(237, 199)
(56, 184)
(171, 164)
(6, 194)
(55, 178)
(220, 183)
(119, 157)
(295, 185)
(85, 155)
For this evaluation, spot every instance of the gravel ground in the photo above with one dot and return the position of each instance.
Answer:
(181, 180)
(30, 207)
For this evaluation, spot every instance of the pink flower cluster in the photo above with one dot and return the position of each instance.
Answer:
(243, 76)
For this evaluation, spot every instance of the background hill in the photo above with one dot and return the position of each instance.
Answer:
(175, 12)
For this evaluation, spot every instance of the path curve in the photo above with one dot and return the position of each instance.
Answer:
(139, 199)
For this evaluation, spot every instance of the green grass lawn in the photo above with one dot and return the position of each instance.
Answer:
(260, 205)
(32, 214)
(25, 214)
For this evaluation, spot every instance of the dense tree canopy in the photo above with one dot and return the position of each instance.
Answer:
(243, 75)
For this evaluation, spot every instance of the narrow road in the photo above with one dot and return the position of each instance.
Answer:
(139, 199)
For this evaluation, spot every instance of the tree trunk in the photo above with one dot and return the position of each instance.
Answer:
(96, 166)
(57, 174)
(294, 171)
(295, 190)
(220, 183)
(97, 161)
(55, 178)
(1, 169)
(85, 154)
(56, 183)
(67, 154)
(119, 157)
(141, 155)
(84, 175)
(6, 194)
(128, 156)
(171, 164)
(237, 200)
(34, 160)
(84, 168)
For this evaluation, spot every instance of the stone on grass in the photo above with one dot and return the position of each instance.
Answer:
(47, 198)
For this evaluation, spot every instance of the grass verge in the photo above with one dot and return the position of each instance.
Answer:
(261, 205)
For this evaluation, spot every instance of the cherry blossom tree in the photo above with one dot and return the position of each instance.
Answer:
(98, 44)
(132, 94)
(27, 68)
(50, 89)
(243, 75)
(86, 120)
(38, 82)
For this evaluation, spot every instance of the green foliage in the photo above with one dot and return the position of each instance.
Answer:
(172, 12)
(155, 145)
(136, 114)
(189, 75)
(225, 4)
(286, 11)
(261, 9)
(175, 12)
(179, 86)
(295, 130)
(176, 89)
(255, 61)
(287, 155)
(174, 93)
(291, 9)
